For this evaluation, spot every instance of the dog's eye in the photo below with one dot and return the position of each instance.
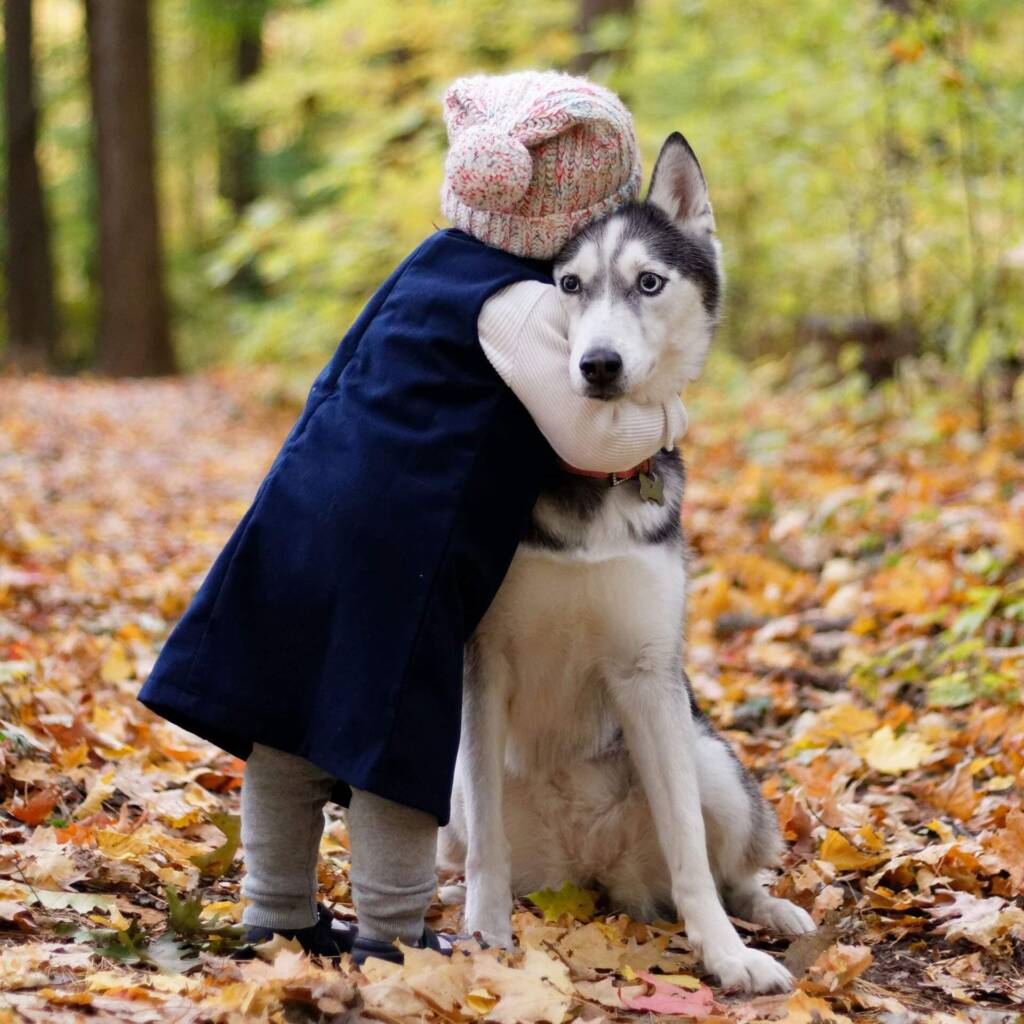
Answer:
(570, 284)
(650, 283)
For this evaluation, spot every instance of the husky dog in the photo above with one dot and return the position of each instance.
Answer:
(584, 757)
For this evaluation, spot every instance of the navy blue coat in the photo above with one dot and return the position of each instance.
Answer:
(332, 625)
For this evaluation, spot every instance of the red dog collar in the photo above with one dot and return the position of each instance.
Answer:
(613, 479)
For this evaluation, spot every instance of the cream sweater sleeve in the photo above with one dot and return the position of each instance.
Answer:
(523, 331)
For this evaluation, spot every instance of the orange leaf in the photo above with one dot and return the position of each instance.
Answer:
(76, 833)
(36, 810)
(956, 795)
(1008, 846)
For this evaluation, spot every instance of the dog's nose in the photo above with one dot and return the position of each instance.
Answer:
(600, 366)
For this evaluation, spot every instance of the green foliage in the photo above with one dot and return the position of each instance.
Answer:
(218, 861)
(862, 161)
(835, 135)
(962, 663)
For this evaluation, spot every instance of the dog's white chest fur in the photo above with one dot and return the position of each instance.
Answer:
(566, 622)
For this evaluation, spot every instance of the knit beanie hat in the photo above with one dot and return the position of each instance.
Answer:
(535, 156)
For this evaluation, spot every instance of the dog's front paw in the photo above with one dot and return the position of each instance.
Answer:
(493, 930)
(494, 938)
(489, 914)
(749, 970)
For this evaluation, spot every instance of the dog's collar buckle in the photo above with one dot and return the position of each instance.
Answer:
(614, 479)
(651, 486)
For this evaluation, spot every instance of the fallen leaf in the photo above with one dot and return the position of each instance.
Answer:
(802, 1008)
(1007, 846)
(218, 861)
(668, 999)
(116, 667)
(569, 899)
(687, 981)
(17, 914)
(540, 991)
(891, 754)
(80, 902)
(977, 920)
(839, 851)
(836, 968)
(37, 809)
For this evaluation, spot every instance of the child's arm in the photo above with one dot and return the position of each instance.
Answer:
(523, 332)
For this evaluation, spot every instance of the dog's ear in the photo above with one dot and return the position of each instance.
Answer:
(678, 187)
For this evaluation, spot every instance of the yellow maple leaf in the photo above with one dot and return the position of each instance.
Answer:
(144, 842)
(840, 852)
(73, 756)
(116, 667)
(687, 981)
(891, 754)
(570, 899)
(102, 789)
(479, 1000)
(802, 1008)
(225, 910)
(839, 724)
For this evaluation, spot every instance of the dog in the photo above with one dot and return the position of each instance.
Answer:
(584, 756)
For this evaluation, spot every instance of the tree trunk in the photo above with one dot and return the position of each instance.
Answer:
(239, 150)
(31, 310)
(134, 337)
(239, 146)
(588, 14)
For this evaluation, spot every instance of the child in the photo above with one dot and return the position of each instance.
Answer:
(326, 643)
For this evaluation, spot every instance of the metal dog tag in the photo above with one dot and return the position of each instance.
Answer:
(652, 489)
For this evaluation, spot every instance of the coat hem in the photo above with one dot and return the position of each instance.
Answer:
(192, 712)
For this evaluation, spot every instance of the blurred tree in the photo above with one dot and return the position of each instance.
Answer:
(32, 327)
(134, 337)
(353, 150)
(596, 47)
(239, 143)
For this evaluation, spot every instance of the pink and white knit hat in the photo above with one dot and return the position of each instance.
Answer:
(535, 156)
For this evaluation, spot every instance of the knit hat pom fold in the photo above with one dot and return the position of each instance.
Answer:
(488, 169)
(535, 156)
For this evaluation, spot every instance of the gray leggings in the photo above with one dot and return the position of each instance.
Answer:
(393, 850)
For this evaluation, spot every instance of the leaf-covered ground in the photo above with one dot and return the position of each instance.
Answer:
(857, 628)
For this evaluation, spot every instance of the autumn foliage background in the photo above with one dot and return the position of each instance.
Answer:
(855, 459)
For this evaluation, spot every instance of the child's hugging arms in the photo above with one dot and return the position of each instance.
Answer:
(522, 331)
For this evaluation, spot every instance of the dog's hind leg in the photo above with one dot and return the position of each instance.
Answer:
(743, 838)
(748, 898)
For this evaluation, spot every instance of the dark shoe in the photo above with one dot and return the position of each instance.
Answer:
(363, 949)
(328, 937)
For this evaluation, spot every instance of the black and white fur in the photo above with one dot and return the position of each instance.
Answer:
(584, 757)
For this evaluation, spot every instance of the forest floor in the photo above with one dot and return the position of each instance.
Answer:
(857, 630)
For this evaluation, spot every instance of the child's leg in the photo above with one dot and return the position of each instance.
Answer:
(283, 799)
(394, 849)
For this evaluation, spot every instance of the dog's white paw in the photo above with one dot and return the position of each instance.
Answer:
(784, 917)
(494, 928)
(749, 970)
(496, 938)
(489, 913)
